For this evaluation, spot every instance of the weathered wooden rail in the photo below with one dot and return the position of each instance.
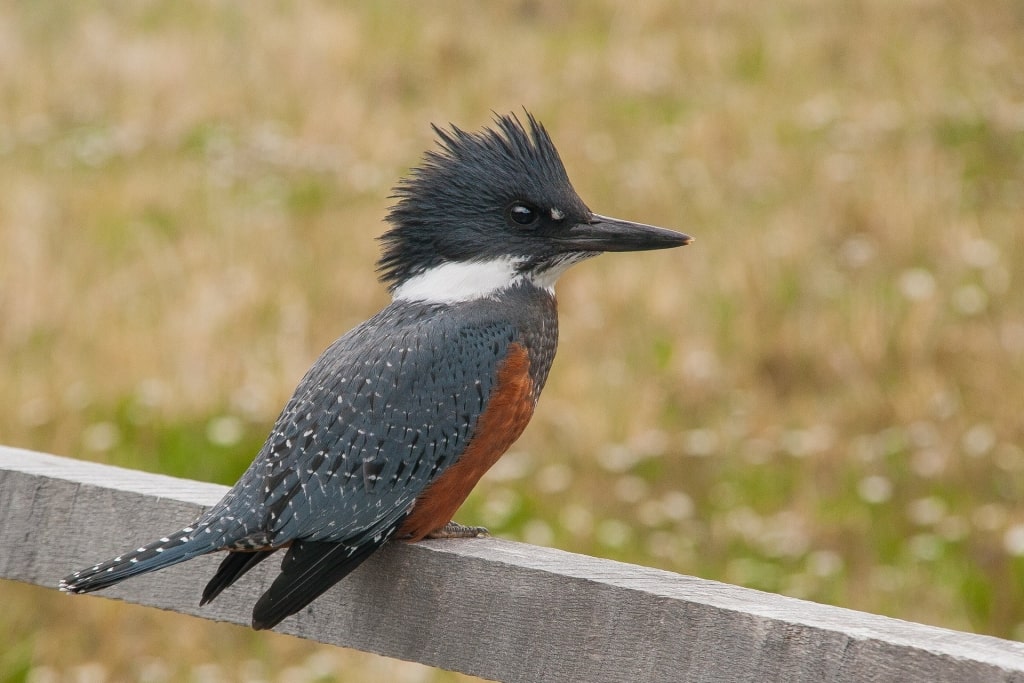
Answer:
(497, 609)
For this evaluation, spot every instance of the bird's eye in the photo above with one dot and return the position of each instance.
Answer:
(522, 214)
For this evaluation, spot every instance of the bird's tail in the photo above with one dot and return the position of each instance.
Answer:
(307, 571)
(177, 547)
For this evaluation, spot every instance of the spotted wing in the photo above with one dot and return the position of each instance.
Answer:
(384, 411)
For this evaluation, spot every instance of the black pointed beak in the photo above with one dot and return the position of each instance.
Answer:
(611, 234)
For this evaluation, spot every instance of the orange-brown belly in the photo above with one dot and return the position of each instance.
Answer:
(506, 416)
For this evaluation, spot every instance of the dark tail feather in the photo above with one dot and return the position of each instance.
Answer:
(307, 571)
(177, 547)
(230, 570)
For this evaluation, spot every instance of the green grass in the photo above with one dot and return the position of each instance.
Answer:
(819, 397)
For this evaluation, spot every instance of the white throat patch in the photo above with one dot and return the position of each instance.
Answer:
(451, 283)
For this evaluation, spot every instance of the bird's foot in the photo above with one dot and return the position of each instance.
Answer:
(456, 530)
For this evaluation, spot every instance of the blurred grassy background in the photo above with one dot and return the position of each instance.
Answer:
(820, 397)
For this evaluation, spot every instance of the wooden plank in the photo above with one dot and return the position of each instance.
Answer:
(493, 608)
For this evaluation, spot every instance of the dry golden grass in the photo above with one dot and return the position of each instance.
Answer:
(821, 396)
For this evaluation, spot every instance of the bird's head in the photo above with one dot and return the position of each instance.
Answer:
(493, 208)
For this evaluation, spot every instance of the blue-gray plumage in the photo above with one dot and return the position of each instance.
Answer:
(397, 420)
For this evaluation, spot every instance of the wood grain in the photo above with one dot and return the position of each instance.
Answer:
(497, 609)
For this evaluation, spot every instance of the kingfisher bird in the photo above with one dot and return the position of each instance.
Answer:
(398, 419)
